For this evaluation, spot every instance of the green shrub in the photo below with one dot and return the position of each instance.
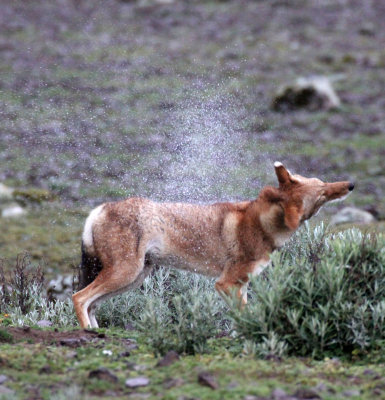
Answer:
(5, 337)
(176, 310)
(20, 291)
(324, 294)
(23, 297)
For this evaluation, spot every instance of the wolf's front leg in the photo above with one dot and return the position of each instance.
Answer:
(235, 277)
(227, 289)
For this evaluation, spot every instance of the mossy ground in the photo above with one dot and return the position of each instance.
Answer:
(50, 234)
(47, 371)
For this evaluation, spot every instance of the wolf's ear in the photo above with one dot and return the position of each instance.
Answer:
(283, 174)
(292, 215)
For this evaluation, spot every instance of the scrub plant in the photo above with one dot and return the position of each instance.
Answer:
(176, 310)
(23, 297)
(316, 303)
(20, 289)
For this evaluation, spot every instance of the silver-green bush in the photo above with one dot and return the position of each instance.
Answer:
(176, 310)
(324, 293)
(23, 297)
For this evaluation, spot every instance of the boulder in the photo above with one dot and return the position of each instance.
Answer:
(43, 323)
(278, 394)
(103, 374)
(207, 379)
(6, 392)
(13, 201)
(60, 288)
(168, 359)
(305, 393)
(139, 381)
(352, 215)
(13, 210)
(314, 93)
(173, 382)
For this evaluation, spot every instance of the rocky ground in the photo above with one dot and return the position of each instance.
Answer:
(80, 364)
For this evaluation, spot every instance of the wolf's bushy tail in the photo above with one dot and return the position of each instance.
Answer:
(89, 268)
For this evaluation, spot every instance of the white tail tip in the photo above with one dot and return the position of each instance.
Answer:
(278, 164)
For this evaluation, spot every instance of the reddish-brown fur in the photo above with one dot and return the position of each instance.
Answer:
(229, 241)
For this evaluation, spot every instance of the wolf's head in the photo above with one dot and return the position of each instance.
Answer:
(301, 198)
(297, 199)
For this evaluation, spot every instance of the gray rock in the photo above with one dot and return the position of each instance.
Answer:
(173, 382)
(70, 342)
(139, 381)
(312, 93)
(56, 284)
(207, 379)
(44, 323)
(278, 393)
(3, 378)
(232, 385)
(352, 215)
(13, 211)
(60, 288)
(304, 393)
(147, 3)
(188, 398)
(6, 391)
(168, 359)
(103, 374)
(372, 373)
(131, 346)
(351, 393)
(321, 387)
(67, 281)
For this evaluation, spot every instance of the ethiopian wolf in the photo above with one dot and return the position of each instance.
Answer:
(122, 241)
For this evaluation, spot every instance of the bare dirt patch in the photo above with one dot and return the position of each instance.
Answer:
(73, 338)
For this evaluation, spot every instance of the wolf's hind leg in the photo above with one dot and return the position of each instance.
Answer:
(133, 285)
(108, 283)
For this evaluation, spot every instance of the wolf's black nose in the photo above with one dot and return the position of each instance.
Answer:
(351, 186)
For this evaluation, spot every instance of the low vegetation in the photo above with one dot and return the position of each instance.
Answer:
(321, 298)
(322, 295)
